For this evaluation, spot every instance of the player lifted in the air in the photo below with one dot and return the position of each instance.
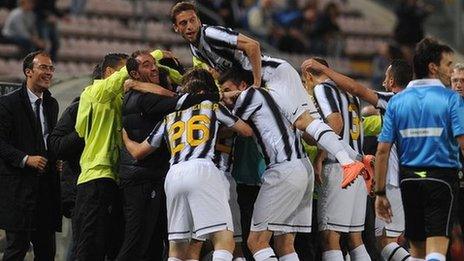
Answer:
(222, 48)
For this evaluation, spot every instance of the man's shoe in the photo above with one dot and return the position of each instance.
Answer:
(369, 174)
(351, 172)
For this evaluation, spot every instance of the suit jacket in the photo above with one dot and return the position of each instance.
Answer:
(66, 145)
(21, 189)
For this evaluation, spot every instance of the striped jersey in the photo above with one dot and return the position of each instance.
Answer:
(278, 139)
(217, 47)
(191, 133)
(223, 153)
(383, 99)
(332, 100)
(393, 164)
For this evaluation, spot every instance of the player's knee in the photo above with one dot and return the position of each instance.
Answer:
(257, 241)
(303, 121)
(284, 244)
(330, 240)
(224, 240)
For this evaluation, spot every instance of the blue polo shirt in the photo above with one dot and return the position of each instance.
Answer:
(424, 120)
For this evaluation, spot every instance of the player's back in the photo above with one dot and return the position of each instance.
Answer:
(278, 139)
(191, 133)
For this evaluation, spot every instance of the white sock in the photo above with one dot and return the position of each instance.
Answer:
(360, 253)
(393, 252)
(266, 254)
(174, 259)
(329, 141)
(222, 255)
(414, 259)
(289, 257)
(435, 257)
(354, 155)
(332, 255)
(239, 259)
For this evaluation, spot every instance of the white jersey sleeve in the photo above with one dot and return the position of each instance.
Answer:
(325, 97)
(156, 136)
(221, 36)
(225, 116)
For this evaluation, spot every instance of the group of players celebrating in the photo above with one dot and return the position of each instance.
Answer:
(236, 89)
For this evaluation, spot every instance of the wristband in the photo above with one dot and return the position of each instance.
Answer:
(380, 193)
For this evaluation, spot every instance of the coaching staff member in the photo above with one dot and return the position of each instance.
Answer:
(427, 123)
(29, 183)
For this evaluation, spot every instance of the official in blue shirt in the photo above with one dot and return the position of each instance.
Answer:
(426, 121)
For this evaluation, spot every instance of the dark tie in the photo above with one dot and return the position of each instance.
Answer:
(37, 115)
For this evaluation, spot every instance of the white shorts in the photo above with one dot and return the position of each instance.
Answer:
(285, 86)
(197, 200)
(234, 207)
(396, 227)
(341, 210)
(284, 201)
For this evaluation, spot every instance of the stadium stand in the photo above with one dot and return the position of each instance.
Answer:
(119, 25)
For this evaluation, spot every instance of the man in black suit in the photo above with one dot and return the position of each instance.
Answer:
(29, 184)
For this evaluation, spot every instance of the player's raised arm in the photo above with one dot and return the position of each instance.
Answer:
(253, 50)
(233, 122)
(343, 82)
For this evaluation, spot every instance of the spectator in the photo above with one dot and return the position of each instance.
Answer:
(29, 183)
(409, 29)
(259, 18)
(20, 28)
(77, 7)
(326, 30)
(47, 24)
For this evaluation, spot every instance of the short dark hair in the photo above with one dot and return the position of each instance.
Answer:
(321, 61)
(132, 64)
(428, 51)
(28, 61)
(198, 80)
(401, 72)
(237, 76)
(181, 7)
(111, 60)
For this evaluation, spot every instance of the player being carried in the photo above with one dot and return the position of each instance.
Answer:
(222, 48)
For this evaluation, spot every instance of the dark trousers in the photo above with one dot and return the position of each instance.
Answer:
(18, 243)
(145, 236)
(97, 221)
(246, 200)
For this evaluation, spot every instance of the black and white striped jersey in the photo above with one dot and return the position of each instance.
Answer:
(332, 100)
(277, 138)
(384, 98)
(224, 153)
(217, 47)
(191, 133)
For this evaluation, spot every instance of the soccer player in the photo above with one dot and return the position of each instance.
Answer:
(339, 210)
(196, 192)
(426, 123)
(397, 76)
(284, 203)
(222, 48)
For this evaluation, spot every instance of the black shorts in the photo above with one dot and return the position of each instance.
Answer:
(429, 200)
